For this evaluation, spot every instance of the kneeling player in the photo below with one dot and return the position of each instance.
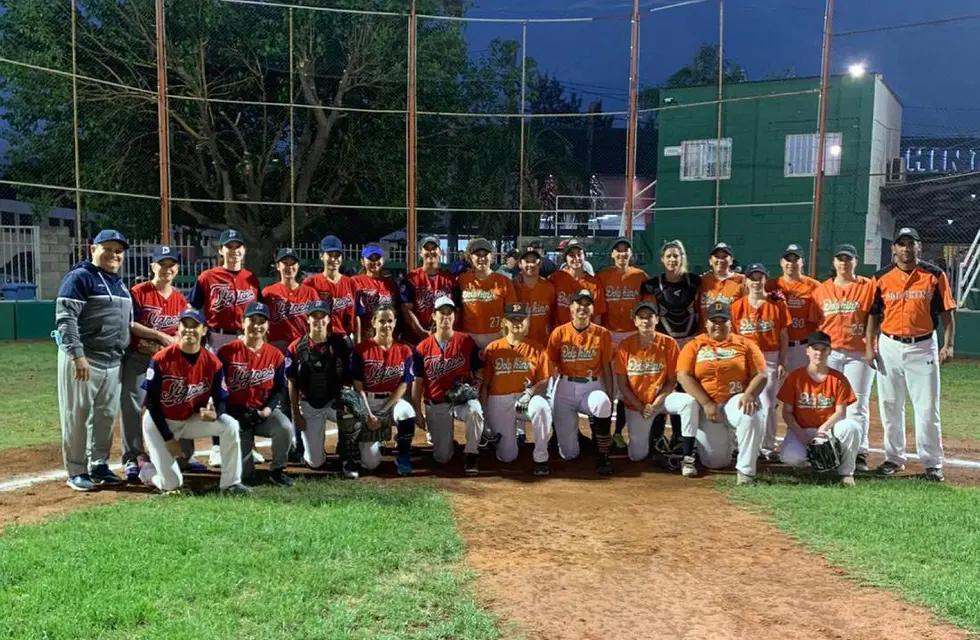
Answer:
(180, 381)
(515, 383)
(725, 373)
(646, 372)
(815, 399)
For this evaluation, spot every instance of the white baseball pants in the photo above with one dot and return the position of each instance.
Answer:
(714, 441)
(439, 418)
(861, 376)
(87, 411)
(371, 451)
(680, 404)
(848, 431)
(316, 432)
(572, 398)
(167, 476)
(503, 419)
(767, 401)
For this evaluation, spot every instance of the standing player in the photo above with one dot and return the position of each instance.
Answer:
(185, 399)
(256, 379)
(441, 360)
(516, 375)
(421, 288)
(621, 284)
(646, 370)
(766, 323)
(92, 315)
(372, 287)
(797, 290)
(840, 308)
(909, 294)
(725, 373)
(815, 399)
(156, 306)
(571, 279)
(288, 301)
(483, 294)
(582, 353)
(721, 284)
(548, 265)
(381, 369)
(537, 293)
(334, 287)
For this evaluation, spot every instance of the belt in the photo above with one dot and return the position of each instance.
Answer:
(430, 403)
(225, 332)
(379, 396)
(579, 378)
(797, 343)
(909, 339)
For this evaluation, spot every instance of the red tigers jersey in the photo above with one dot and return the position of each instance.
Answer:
(340, 295)
(250, 375)
(381, 370)
(370, 293)
(287, 310)
(439, 369)
(222, 296)
(152, 310)
(421, 290)
(185, 388)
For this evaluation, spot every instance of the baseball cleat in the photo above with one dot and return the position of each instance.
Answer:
(214, 458)
(847, 481)
(471, 466)
(132, 471)
(81, 482)
(604, 465)
(101, 474)
(541, 469)
(349, 470)
(488, 440)
(888, 468)
(236, 490)
(934, 474)
(295, 456)
(190, 465)
(688, 468)
(861, 463)
(741, 478)
(403, 464)
(279, 478)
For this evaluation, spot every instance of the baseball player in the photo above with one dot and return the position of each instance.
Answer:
(721, 284)
(840, 309)
(620, 284)
(335, 288)
(317, 366)
(797, 290)
(547, 266)
(288, 301)
(421, 288)
(372, 287)
(255, 375)
(646, 368)
(381, 369)
(571, 279)
(765, 322)
(483, 294)
(582, 353)
(185, 399)
(516, 376)
(909, 294)
(815, 399)
(156, 306)
(93, 312)
(537, 293)
(441, 360)
(726, 374)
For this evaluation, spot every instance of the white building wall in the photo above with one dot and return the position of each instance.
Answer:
(886, 136)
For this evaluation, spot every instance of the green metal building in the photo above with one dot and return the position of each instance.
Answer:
(767, 165)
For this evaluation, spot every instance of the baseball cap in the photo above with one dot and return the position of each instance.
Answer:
(372, 250)
(719, 310)
(846, 250)
(191, 314)
(528, 250)
(722, 246)
(622, 240)
(793, 249)
(573, 243)
(108, 235)
(757, 267)
(319, 306)
(479, 244)
(906, 231)
(646, 304)
(230, 235)
(165, 252)
(284, 253)
(818, 338)
(517, 310)
(257, 309)
(443, 301)
(331, 243)
(583, 294)
(429, 240)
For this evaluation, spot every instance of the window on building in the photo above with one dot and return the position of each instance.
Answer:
(699, 159)
(801, 155)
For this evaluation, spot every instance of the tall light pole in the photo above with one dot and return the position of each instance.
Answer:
(828, 27)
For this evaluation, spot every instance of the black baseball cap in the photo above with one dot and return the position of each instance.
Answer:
(257, 309)
(319, 306)
(479, 244)
(846, 250)
(646, 304)
(429, 240)
(165, 252)
(110, 235)
(528, 250)
(622, 240)
(719, 310)
(757, 267)
(231, 235)
(284, 253)
(793, 249)
(818, 338)
(906, 232)
(517, 310)
(722, 246)
(583, 294)
(573, 243)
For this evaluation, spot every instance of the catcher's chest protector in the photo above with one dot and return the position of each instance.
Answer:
(319, 373)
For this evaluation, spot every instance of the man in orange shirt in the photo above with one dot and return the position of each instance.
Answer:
(815, 399)
(537, 293)
(516, 375)
(725, 373)
(581, 353)
(909, 295)
(721, 284)
(572, 278)
(646, 372)
(797, 290)
(483, 294)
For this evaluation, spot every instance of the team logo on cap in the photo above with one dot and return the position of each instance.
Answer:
(905, 230)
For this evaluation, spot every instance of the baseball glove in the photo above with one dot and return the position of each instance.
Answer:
(824, 453)
(148, 347)
(461, 393)
(249, 419)
(670, 454)
(525, 399)
(350, 402)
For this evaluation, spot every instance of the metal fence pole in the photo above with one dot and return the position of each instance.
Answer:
(163, 119)
(520, 170)
(411, 133)
(292, 140)
(79, 254)
(828, 27)
(718, 127)
(631, 125)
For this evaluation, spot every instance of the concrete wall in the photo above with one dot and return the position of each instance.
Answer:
(56, 252)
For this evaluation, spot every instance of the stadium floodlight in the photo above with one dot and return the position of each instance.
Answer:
(856, 70)
(835, 150)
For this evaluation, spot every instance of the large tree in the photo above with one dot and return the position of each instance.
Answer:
(703, 69)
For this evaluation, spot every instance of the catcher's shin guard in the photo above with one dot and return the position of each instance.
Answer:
(406, 431)
(620, 416)
(601, 428)
(349, 432)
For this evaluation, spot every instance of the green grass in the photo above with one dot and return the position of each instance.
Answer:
(960, 398)
(324, 560)
(917, 538)
(29, 403)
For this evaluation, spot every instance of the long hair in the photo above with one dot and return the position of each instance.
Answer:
(675, 244)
